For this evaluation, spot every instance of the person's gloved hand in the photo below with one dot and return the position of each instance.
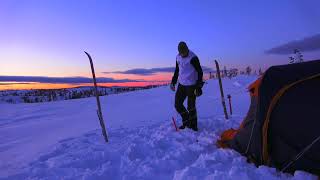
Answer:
(198, 90)
(172, 87)
(200, 84)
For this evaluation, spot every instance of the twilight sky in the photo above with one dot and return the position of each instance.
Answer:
(47, 37)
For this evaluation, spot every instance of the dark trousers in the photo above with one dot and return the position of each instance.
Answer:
(189, 117)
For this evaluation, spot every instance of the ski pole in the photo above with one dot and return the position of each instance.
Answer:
(230, 105)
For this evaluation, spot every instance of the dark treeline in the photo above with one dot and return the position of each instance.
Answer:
(47, 95)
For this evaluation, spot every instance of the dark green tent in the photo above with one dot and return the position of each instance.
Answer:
(282, 127)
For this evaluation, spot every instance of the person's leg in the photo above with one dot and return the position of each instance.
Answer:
(179, 99)
(192, 108)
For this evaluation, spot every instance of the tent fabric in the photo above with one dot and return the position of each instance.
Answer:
(297, 111)
(226, 136)
(254, 87)
(276, 98)
(283, 118)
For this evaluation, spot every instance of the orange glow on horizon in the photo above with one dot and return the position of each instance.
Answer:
(28, 86)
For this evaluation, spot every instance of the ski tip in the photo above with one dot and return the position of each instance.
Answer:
(87, 54)
(216, 61)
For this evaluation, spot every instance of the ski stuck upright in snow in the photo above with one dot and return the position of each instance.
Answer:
(99, 112)
(221, 90)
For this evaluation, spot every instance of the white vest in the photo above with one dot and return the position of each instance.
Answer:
(187, 73)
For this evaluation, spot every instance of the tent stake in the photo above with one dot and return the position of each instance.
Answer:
(174, 123)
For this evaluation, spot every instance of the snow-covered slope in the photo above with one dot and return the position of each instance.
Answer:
(62, 140)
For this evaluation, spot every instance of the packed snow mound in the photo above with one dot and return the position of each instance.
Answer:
(237, 84)
(154, 152)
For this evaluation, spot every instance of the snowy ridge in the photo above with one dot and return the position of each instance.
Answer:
(143, 142)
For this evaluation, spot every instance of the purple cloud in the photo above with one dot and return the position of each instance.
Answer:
(63, 80)
(147, 72)
(307, 44)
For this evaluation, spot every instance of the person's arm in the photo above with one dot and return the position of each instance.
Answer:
(196, 64)
(176, 74)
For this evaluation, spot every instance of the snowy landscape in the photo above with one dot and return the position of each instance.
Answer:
(94, 90)
(63, 140)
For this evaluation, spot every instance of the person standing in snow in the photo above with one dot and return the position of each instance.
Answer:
(188, 74)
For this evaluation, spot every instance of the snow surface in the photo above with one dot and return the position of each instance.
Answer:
(62, 140)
